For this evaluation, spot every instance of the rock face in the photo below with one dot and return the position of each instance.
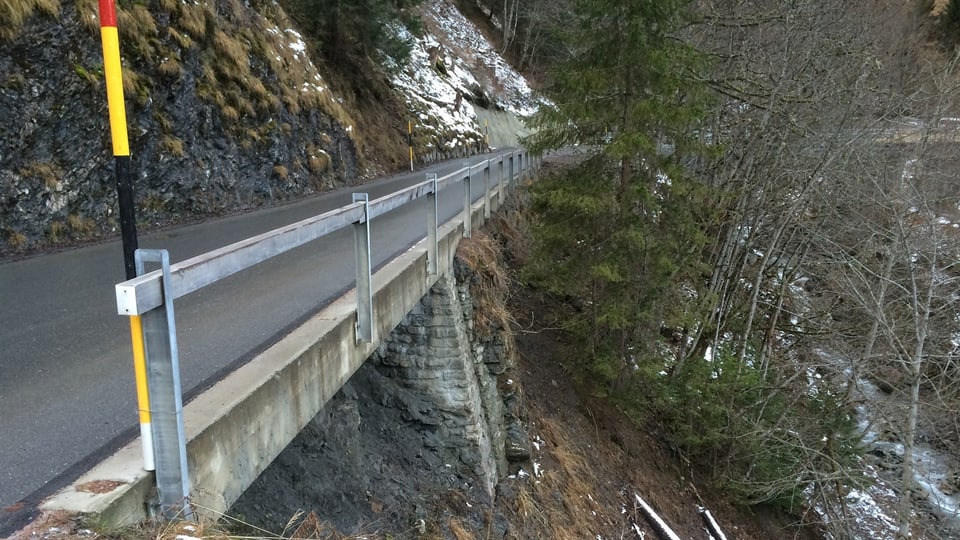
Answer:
(218, 119)
(423, 431)
(226, 110)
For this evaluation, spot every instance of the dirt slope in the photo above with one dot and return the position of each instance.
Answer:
(594, 459)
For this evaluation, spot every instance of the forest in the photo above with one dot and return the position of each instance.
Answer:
(759, 249)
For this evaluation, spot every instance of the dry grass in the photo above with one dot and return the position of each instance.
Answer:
(280, 172)
(193, 19)
(56, 231)
(138, 30)
(172, 145)
(561, 500)
(300, 85)
(482, 253)
(16, 240)
(170, 6)
(290, 100)
(241, 102)
(229, 113)
(529, 509)
(163, 121)
(183, 40)
(135, 86)
(80, 226)
(44, 171)
(458, 530)
(15, 13)
(513, 231)
(318, 161)
(87, 13)
(170, 68)
(233, 58)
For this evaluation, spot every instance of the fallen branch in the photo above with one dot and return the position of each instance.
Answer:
(658, 524)
(711, 524)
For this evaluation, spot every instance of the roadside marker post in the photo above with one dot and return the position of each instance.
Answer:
(113, 73)
(410, 141)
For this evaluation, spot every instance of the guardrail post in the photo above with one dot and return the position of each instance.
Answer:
(361, 240)
(486, 192)
(166, 398)
(510, 177)
(501, 197)
(433, 247)
(467, 204)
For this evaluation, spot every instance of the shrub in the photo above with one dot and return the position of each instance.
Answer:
(765, 437)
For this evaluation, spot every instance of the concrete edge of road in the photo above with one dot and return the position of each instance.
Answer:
(232, 430)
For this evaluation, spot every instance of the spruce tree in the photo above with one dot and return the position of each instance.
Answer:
(621, 232)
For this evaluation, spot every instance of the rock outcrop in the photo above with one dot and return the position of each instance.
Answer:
(224, 111)
(427, 427)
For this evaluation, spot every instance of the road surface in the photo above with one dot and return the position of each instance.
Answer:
(67, 395)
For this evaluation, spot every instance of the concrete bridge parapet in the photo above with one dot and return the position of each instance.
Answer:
(236, 428)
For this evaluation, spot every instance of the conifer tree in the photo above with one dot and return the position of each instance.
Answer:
(355, 27)
(620, 233)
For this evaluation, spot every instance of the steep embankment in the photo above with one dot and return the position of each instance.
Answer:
(229, 107)
(466, 424)
(224, 106)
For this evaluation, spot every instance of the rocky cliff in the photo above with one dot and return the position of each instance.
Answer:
(225, 111)
(228, 108)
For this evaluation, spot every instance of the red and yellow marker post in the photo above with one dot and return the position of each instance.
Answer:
(124, 177)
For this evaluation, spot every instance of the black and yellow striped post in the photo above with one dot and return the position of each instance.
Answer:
(128, 226)
(118, 131)
(410, 141)
(486, 135)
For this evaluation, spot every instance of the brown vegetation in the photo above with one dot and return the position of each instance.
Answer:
(14, 13)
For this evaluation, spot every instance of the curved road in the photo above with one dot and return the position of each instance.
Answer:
(67, 395)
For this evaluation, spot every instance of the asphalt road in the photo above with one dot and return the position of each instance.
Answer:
(67, 395)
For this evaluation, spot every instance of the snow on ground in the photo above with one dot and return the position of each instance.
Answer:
(455, 32)
(433, 97)
(451, 64)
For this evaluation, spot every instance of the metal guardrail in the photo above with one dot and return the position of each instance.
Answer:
(148, 300)
(143, 293)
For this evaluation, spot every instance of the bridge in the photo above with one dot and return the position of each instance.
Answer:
(208, 451)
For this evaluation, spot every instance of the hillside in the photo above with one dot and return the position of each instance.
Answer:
(229, 107)
(739, 292)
